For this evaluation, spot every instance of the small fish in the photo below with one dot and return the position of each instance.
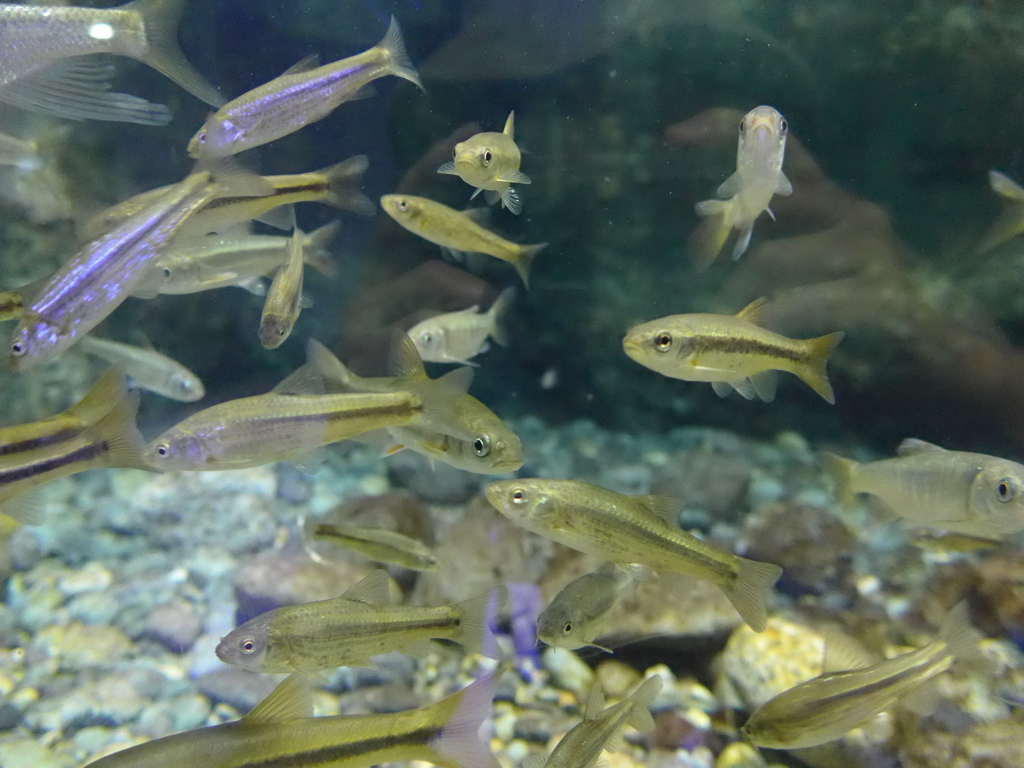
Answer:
(966, 493)
(1010, 221)
(293, 422)
(19, 153)
(97, 432)
(41, 68)
(829, 706)
(302, 95)
(217, 261)
(750, 189)
(474, 440)
(375, 543)
(601, 728)
(731, 352)
(457, 231)
(281, 731)
(577, 614)
(633, 531)
(348, 631)
(949, 543)
(490, 162)
(148, 369)
(336, 185)
(284, 299)
(455, 337)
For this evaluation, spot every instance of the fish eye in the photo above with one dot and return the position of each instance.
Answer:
(403, 205)
(743, 126)
(280, 331)
(487, 157)
(201, 137)
(567, 628)
(248, 646)
(482, 446)
(1005, 490)
(784, 127)
(167, 272)
(163, 450)
(663, 341)
(17, 349)
(426, 336)
(518, 497)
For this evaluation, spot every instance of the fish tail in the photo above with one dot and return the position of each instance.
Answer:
(160, 19)
(524, 259)
(497, 313)
(711, 237)
(343, 182)
(25, 508)
(749, 592)
(475, 622)
(109, 389)
(642, 698)
(316, 253)
(458, 744)
(960, 637)
(399, 63)
(813, 370)
(842, 470)
(117, 430)
(1007, 226)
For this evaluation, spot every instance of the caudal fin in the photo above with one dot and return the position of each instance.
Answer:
(316, 253)
(160, 19)
(524, 260)
(120, 437)
(458, 744)
(813, 370)
(475, 625)
(842, 471)
(343, 182)
(399, 63)
(960, 637)
(642, 698)
(711, 238)
(497, 313)
(109, 389)
(749, 593)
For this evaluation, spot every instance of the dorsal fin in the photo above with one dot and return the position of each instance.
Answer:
(510, 125)
(912, 446)
(843, 653)
(373, 590)
(304, 380)
(406, 362)
(665, 507)
(754, 311)
(302, 65)
(289, 701)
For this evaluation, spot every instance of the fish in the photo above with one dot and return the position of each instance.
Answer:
(281, 731)
(19, 153)
(294, 422)
(304, 94)
(46, 65)
(731, 352)
(147, 369)
(1010, 221)
(749, 191)
(97, 432)
(213, 261)
(90, 286)
(601, 728)
(336, 185)
(490, 162)
(378, 544)
(955, 491)
(579, 611)
(475, 439)
(458, 231)
(633, 531)
(844, 697)
(456, 337)
(284, 299)
(347, 631)
(949, 543)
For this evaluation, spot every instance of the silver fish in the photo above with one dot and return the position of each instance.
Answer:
(148, 369)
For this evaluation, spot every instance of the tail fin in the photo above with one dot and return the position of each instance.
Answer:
(160, 19)
(842, 470)
(316, 254)
(110, 389)
(475, 630)
(960, 637)
(399, 63)
(117, 430)
(497, 313)
(711, 239)
(813, 370)
(343, 182)
(642, 698)
(524, 260)
(749, 592)
(458, 743)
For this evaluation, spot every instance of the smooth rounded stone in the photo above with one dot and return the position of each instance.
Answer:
(174, 625)
(23, 752)
(207, 566)
(381, 699)
(189, 710)
(631, 479)
(110, 701)
(568, 671)
(534, 727)
(989, 745)
(90, 578)
(764, 489)
(10, 636)
(740, 755)
(706, 479)
(94, 738)
(236, 687)
(10, 716)
(440, 484)
(25, 547)
(675, 731)
(276, 578)
(616, 678)
(78, 646)
(293, 485)
(156, 721)
(94, 607)
(811, 545)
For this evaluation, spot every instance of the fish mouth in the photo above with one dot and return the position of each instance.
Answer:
(631, 348)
